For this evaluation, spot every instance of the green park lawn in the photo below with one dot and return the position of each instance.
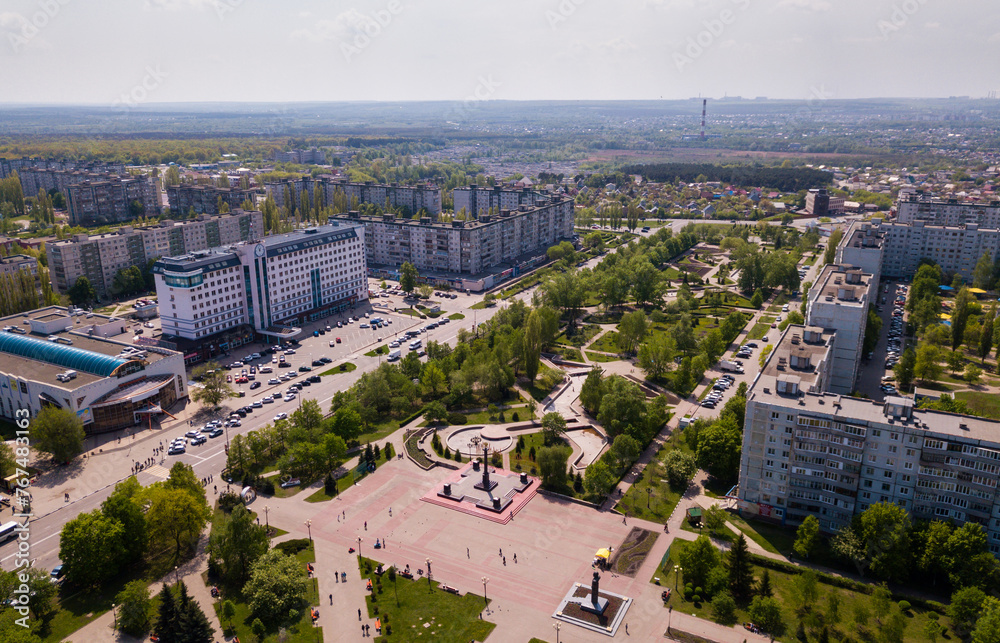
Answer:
(601, 357)
(606, 343)
(405, 606)
(456, 316)
(979, 403)
(652, 489)
(545, 381)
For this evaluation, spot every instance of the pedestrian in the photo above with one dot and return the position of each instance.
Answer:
(515, 558)
(504, 561)
(390, 512)
(215, 488)
(623, 521)
(362, 629)
(626, 628)
(366, 525)
(331, 599)
(368, 629)
(359, 613)
(501, 552)
(336, 576)
(467, 553)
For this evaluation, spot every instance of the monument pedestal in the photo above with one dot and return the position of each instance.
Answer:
(486, 485)
(589, 604)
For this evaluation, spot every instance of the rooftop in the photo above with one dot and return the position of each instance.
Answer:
(862, 234)
(798, 361)
(844, 285)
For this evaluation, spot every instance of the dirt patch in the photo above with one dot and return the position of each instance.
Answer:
(575, 611)
(633, 551)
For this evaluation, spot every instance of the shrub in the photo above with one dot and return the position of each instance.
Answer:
(904, 606)
(447, 453)
(514, 417)
(292, 547)
(457, 418)
(458, 455)
(695, 598)
(228, 500)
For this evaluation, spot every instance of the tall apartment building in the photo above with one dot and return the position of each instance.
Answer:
(267, 285)
(477, 200)
(43, 172)
(465, 247)
(955, 248)
(204, 199)
(950, 212)
(412, 197)
(838, 301)
(100, 257)
(15, 263)
(113, 199)
(302, 157)
(812, 452)
(862, 246)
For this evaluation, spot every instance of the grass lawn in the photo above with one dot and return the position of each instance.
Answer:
(346, 367)
(601, 357)
(478, 306)
(773, 538)
(545, 381)
(982, 404)
(581, 335)
(606, 343)
(344, 482)
(456, 316)
(407, 605)
(787, 594)
(761, 328)
(571, 354)
(301, 631)
(653, 489)
(381, 350)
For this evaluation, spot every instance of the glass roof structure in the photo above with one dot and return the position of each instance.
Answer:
(59, 354)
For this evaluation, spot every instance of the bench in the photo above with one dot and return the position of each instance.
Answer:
(448, 588)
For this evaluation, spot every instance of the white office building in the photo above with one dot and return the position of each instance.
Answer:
(269, 285)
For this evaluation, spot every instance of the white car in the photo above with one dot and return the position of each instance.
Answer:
(148, 324)
(273, 381)
(274, 360)
(290, 351)
(364, 325)
(332, 344)
(280, 416)
(289, 398)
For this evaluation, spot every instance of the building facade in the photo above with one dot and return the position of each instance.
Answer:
(413, 198)
(100, 257)
(312, 156)
(267, 285)
(205, 199)
(956, 249)
(839, 301)
(12, 264)
(947, 212)
(85, 363)
(465, 247)
(477, 200)
(862, 246)
(113, 199)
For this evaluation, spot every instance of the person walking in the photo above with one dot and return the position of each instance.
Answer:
(331, 599)
(359, 613)
(515, 558)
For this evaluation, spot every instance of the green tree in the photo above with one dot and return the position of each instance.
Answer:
(830, 254)
(764, 586)
(600, 480)
(624, 450)
(904, 369)
(965, 607)
(698, 558)
(967, 558)
(631, 330)
(794, 317)
(122, 506)
(988, 625)
(719, 448)
(8, 461)
(983, 273)
(807, 537)
(757, 300)
(134, 604)
(552, 466)
(724, 608)
(58, 432)
(766, 612)
(167, 616)
(680, 467)
(741, 580)
(553, 428)
(960, 316)
(884, 529)
(193, 625)
(239, 544)
(714, 518)
(656, 356)
(592, 391)
(407, 277)
(91, 548)
(82, 293)
(176, 515)
(228, 611)
(986, 335)
(927, 366)
(532, 345)
(277, 584)
(214, 388)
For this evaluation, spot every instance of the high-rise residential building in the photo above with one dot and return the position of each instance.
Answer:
(16, 263)
(956, 249)
(266, 286)
(477, 200)
(205, 199)
(947, 212)
(100, 257)
(311, 156)
(465, 247)
(412, 198)
(862, 246)
(839, 301)
(46, 173)
(113, 199)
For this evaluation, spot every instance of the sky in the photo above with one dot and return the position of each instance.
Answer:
(106, 52)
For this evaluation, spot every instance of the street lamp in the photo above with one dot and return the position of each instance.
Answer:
(114, 613)
(670, 618)
(428, 561)
(677, 572)
(557, 627)
(176, 578)
(267, 525)
(485, 581)
(309, 526)
(649, 492)
(359, 546)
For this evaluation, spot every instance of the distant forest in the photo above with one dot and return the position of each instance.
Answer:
(786, 179)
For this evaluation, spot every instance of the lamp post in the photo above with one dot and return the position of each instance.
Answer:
(485, 600)
(267, 524)
(114, 612)
(670, 618)
(677, 572)
(359, 546)
(309, 526)
(428, 561)
(649, 492)
(176, 578)
(557, 627)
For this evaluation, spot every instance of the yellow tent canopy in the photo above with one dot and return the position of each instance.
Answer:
(977, 291)
(603, 553)
(945, 316)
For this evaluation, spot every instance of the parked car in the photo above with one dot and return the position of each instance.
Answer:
(255, 385)
(214, 433)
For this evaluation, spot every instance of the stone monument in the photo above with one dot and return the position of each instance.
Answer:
(486, 484)
(594, 603)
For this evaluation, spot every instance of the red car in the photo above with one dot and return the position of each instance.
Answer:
(338, 340)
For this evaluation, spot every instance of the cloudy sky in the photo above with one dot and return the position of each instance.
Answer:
(101, 51)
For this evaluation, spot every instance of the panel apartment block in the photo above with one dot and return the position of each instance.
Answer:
(112, 200)
(100, 257)
(862, 246)
(412, 197)
(204, 199)
(839, 301)
(477, 200)
(465, 247)
(947, 212)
